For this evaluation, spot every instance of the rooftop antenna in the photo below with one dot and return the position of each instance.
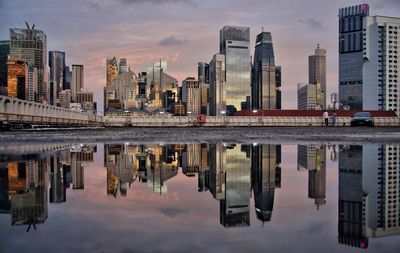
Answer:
(27, 25)
(318, 45)
(262, 28)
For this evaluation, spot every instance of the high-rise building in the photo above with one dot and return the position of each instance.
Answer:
(122, 65)
(217, 90)
(351, 56)
(265, 77)
(4, 51)
(191, 96)
(278, 84)
(154, 76)
(17, 77)
(380, 74)
(32, 85)
(31, 45)
(67, 78)
(203, 72)
(77, 80)
(112, 70)
(65, 98)
(56, 80)
(235, 46)
(309, 96)
(317, 72)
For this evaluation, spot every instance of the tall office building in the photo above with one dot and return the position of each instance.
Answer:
(154, 76)
(264, 80)
(203, 72)
(77, 81)
(122, 65)
(31, 45)
(351, 56)
(235, 46)
(31, 84)
(380, 71)
(112, 70)
(56, 80)
(317, 72)
(191, 96)
(217, 90)
(4, 51)
(67, 78)
(17, 73)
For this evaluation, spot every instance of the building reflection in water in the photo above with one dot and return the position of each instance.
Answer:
(29, 182)
(312, 158)
(369, 193)
(368, 184)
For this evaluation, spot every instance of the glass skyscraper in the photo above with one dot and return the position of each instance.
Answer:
(235, 45)
(351, 55)
(31, 45)
(265, 74)
(56, 80)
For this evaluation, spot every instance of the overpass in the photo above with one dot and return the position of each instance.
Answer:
(24, 113)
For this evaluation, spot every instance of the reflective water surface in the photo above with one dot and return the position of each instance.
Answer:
(222, 197)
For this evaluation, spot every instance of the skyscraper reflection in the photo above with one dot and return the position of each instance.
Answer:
(313, 159)
(265, 178)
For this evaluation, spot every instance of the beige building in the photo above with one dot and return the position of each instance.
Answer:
(191, 96)
(317, 71)
(310, 97)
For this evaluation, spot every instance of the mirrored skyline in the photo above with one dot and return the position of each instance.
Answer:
(346, 195)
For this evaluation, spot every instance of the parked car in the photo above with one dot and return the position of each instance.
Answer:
(362, 119)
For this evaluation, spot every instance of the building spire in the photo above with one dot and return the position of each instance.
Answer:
(262, 28)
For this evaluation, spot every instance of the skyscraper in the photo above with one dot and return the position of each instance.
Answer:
(77, 80)
(17, 77)
(317, 72)
(203, 72)
(31, 45)
(56, 80)
(112, 70)
(235, 46)
(122, 65)
(191, 95)
(380, 71)
(67, 78)
(309, 96)
(265, 77)
(4, 51)
(217, 90)
(351, 55)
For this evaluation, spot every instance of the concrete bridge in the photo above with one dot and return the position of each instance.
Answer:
(20, 112)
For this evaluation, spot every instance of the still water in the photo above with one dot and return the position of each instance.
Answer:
(222, 197)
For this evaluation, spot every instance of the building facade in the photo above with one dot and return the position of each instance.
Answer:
(351, 55)
(17, 75)
(217, 90)
(381, 70)
(310, 97)
(317, 72)
(264, 80)
(56, 77)
(31, 45)
(77, 80)
(191, 96)
(4, 51)
(235, 46)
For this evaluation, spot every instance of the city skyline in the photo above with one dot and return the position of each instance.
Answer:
(178, 38)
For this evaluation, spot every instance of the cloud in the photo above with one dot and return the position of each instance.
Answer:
(313, 228)
(172, 41)
(172, 212)
(312, 23)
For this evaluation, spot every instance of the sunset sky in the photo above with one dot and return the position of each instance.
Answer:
(184, 32)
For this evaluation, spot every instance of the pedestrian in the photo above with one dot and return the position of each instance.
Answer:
(325, 117)
(334, 119)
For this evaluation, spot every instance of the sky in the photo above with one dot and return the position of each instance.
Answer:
(184, 32)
